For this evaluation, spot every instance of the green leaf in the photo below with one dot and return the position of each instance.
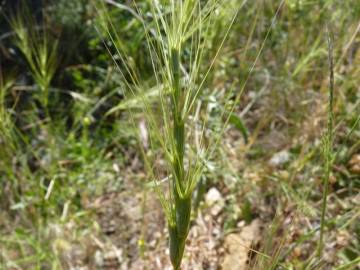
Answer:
(349, 265)
(137, 101)
(239, 125)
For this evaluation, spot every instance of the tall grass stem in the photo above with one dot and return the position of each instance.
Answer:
(328, 142)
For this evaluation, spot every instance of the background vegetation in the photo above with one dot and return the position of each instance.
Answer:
(74, 191)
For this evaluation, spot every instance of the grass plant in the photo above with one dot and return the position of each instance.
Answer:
(182, 68)
(176, 49)
(327, 143)
(6, 124)
(8, 142)
(39, 49)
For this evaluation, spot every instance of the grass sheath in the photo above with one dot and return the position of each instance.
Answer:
(177, 247)
(179, 231)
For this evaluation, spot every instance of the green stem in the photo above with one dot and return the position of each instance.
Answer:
(182, 202)
(178, 123)
(328, 146)
(177, 247)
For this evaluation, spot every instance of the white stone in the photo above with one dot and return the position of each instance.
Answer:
(279, 158)
(213, 196)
